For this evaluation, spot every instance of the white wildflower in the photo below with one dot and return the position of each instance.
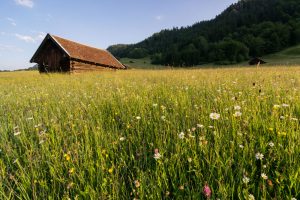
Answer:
(285, 105)
(138, 117)
(214, 116)
(294, 119)
(17, 133)
(246, 179)
(259, 156)
(237, 107)
(241, 146)
(200, 126)
(251, 197)
(237, 114)
(181, 135)
(157, 156)
(264, 176)
(122, 138)
(271, 144)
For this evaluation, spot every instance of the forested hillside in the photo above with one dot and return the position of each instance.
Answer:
(246, 29)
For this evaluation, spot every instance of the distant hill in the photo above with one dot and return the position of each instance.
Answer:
(245, 29)
(33, 68)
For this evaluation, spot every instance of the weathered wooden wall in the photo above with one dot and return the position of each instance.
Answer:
(52, 59)
(78, 67)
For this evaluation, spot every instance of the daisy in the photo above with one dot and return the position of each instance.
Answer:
(181, 135)
(214, 116)
(259, 156)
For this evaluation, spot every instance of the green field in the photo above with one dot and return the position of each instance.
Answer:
(151, 134)
(287, 57)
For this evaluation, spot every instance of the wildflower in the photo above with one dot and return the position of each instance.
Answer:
(276, 107)
(281, 133)
(246, 179)
(122, 138)
(241, 146)
(293, 198)
(189, 160)
(271, 144)
(181, 187)
(110, 170)
(17, 133)
(71, 171)
(259, 156)
(138, 117)
(237, 107)
(294, 119)
(181, 135)
(282, 117)
(285, 105)
(264, 176)
(200, 126)
(193, 129)
(237, 114)
(137, 183)
(67, 157)
(207, 191)
(156, 154)
(251, 197)
(264, 166)
(155, 105)
(270, 183)
(70, 185)
(214, 116)
(163, 118)
(211, 127)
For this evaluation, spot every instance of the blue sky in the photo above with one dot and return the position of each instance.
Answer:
(99, 23)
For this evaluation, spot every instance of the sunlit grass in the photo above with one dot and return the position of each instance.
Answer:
(151, 134)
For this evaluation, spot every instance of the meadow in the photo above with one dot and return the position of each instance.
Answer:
(230, 133)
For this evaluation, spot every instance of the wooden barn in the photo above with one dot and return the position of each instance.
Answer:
(256, 61)
(56, 54)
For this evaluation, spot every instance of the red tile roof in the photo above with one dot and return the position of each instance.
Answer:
(87, 53)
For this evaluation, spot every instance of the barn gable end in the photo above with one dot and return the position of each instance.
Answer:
(56, 54)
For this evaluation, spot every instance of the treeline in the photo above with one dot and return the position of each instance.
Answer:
(246, 29)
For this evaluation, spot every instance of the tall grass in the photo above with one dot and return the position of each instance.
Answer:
(149, 135)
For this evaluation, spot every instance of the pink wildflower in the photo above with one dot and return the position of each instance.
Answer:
(207, 191)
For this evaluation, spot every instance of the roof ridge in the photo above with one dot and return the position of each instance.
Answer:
(77, 43)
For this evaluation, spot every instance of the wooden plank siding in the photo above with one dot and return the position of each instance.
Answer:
(52, 59)
(77, 67)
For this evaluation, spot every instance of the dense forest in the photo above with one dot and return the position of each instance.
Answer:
(249, 28)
